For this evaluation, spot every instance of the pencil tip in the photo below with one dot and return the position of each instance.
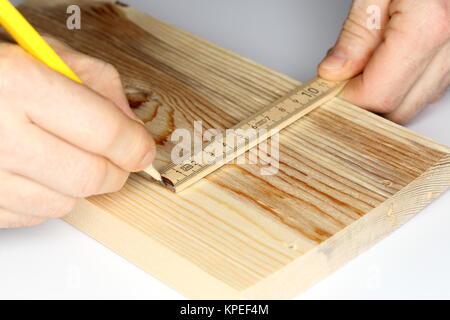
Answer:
(151, 171)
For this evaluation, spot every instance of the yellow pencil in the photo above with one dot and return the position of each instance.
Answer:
(30, 40)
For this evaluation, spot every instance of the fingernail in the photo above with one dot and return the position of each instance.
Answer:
(335, 60)
(148, 159)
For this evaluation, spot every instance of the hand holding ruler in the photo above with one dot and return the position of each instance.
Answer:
(273, 118)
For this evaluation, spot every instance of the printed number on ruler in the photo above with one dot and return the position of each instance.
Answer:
(273, 118)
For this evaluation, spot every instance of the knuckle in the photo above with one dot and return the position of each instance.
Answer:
(362, 94)
(386, 105)
(442, 13)
(353, 31)
(89, 178)
(105, 70)
(111, 72)
(8, 50)
(97, 68)
(17, 70)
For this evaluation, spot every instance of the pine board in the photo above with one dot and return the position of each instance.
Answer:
(347, 177)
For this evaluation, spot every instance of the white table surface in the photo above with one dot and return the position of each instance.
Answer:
(54, 260)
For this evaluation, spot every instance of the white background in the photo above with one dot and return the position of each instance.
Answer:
(56, 261)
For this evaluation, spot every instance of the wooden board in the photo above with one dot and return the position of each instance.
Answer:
(347, 177)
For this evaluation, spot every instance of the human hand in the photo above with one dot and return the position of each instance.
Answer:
(61, 141)
(399, 68)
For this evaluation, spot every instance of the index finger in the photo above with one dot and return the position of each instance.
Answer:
(81, 117)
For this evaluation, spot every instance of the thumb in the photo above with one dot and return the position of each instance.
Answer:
(362, 33)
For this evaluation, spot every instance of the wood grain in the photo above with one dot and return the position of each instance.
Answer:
(347, 177)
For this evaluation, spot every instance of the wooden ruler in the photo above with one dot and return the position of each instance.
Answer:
(267, 122)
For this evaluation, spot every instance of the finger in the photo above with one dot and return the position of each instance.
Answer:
(81, 117)
(27, 197)
(429, 88)
(10, 220)
(411, 41)
(73, 172)
(98, 75)
(359, 38)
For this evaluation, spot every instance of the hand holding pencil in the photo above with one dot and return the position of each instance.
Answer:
(60, 140)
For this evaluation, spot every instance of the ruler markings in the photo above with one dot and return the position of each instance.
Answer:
(272, 119)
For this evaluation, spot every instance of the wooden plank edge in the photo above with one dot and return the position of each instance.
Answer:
(160, 261)
(347, 244)
(301, 274)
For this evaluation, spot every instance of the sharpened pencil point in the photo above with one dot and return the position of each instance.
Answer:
(151, 171)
